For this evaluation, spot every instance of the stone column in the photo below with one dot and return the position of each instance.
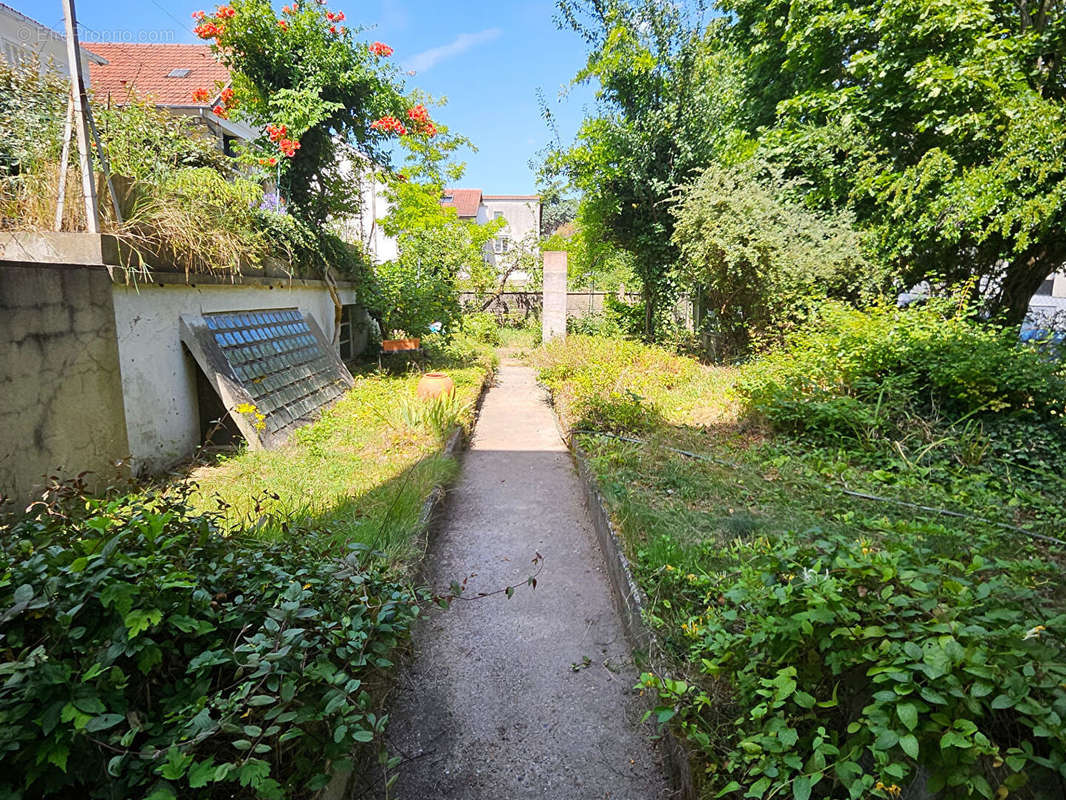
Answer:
(553, 314)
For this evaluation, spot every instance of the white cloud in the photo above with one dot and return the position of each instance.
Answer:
(427, 59)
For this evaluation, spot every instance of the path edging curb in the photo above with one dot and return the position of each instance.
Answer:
(629, 600)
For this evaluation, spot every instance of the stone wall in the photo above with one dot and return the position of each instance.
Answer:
(61, 409)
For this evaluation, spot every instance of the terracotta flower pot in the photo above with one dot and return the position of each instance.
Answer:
(434, 384)
(399, 345)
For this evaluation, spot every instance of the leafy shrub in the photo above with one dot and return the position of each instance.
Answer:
(869, 372)
(414, 292)
(599, 324)
(482, 327)
(33, 106)
(854, 668)
(146, 143)
(758, 260)
(148, 654)
(32, 111)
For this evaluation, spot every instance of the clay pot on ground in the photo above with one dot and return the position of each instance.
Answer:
(434, 384)
(399, 345)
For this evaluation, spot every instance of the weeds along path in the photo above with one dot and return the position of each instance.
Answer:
(527, 697)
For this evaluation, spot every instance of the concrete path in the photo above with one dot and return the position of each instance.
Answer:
(498, 703)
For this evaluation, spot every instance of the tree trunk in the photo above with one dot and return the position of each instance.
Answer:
(1022, 280)
(649, 313)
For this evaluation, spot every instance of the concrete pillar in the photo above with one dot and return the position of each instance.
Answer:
(553, 315)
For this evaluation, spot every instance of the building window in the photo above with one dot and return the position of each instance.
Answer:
(501, 245)
(497, 215)
(14, 55)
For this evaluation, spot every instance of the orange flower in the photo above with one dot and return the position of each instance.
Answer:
(200, 96)
(389, 124)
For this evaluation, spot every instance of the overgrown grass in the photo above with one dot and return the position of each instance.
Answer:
(823, 644)
(521, 338)
(361, 472)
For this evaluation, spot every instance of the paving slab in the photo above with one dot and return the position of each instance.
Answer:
(528, 697)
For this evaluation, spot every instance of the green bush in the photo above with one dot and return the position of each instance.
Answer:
(612, 384)
(149, 655)
(844, 668)
(482, 327)
(758, 259)
(869, 372)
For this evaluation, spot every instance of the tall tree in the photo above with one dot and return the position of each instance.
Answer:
(652, 127)
(940, 124)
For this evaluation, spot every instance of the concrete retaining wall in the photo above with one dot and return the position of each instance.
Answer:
(60, 382)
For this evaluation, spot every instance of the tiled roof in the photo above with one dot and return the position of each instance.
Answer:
(464, 201)
(141, 70)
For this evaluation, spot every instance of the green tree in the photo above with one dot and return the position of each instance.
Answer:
(436, 248)
(940, 124)
(557, 207)
(592, 263)
(652, 127)
(324, 98)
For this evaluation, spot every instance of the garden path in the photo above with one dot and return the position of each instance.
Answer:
(528, 697)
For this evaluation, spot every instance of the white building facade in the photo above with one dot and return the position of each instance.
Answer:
(521, 229)
(25, 41)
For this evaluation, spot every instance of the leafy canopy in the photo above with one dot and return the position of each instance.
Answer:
(758, 260)
(654, 124)
(325, 98)
(939, 124)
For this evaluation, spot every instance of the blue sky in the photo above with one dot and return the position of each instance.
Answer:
(487, 59)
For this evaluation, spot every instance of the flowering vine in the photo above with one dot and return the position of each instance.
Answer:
(419, 117)
(315, 93)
